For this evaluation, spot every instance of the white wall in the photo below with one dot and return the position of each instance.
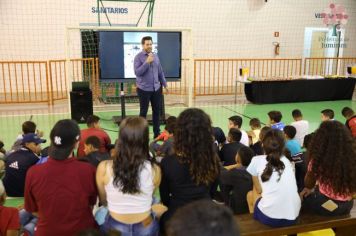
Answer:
(34, 29)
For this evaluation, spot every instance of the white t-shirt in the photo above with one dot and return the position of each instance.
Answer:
(280, 199)
(244, 138)
(302, 127)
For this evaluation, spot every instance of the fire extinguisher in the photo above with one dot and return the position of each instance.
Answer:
(276, 48)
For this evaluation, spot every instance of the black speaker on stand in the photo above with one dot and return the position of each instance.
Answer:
(81, 101)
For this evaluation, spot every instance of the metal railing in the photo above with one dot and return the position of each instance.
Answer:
(24, 82)
(218, 76)
(325, 66)
(47, 81)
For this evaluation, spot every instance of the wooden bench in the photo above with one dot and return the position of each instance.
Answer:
(342, 225)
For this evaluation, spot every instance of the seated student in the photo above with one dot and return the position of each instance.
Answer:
(327, 114)
(19, 162)
(306, 146)
(228, 151)
(291, 143)
(62, 191)
(127, 183)
(350, 117)
(236, 122)
(274, 179)
(2, 159)
(203, 217)
(257, 147)
(302, 126)
(191, 172)
(2, 168)
(168, 130)
(165, 149)
(2, 151)
(301, 168)
(28, 127)
(237, 182)
(91, 150)
(275, 118)
(9, 217)
(27, 220)
(166, 136)
(254, 133)
(94, 129)
(219, 139)
(296, 154)
(43, 156)
(219, 136)
(331, 178)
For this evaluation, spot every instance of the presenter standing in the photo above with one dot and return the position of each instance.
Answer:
(149, 81)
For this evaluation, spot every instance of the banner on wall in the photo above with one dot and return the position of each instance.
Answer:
(334, 17)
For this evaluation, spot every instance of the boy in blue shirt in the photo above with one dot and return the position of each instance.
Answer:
(275, 118)
(292, 144)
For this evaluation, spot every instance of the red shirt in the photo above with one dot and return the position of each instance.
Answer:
(9, 219)
(63, 193)
(101, 134)
(326, 190)
(351, 124)
(164, 136)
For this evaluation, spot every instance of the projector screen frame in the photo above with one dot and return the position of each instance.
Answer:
(189, 38)
(128, 80)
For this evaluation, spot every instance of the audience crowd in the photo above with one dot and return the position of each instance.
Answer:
(190, 180)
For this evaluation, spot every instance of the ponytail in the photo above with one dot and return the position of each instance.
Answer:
(273, 145)
(274, 163)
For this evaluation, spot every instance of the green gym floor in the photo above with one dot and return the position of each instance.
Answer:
(10, 125)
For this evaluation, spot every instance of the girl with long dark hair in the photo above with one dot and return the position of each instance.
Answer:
(189, 173)
(274, 200)
(330, 181)
(126, 184)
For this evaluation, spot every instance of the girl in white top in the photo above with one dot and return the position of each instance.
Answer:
(274, 200)
(127, 183)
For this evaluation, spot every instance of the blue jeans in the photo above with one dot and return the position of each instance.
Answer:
(28, 221)
(137, 229)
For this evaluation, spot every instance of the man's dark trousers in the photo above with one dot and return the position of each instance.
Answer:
(155, 97)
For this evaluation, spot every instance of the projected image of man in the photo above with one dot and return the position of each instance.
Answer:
(149, 81)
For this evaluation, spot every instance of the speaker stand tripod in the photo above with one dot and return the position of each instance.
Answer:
(118, 119)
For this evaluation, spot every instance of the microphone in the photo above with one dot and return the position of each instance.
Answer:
(151, 54)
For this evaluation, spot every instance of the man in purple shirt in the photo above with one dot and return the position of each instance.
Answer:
(149, 81)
